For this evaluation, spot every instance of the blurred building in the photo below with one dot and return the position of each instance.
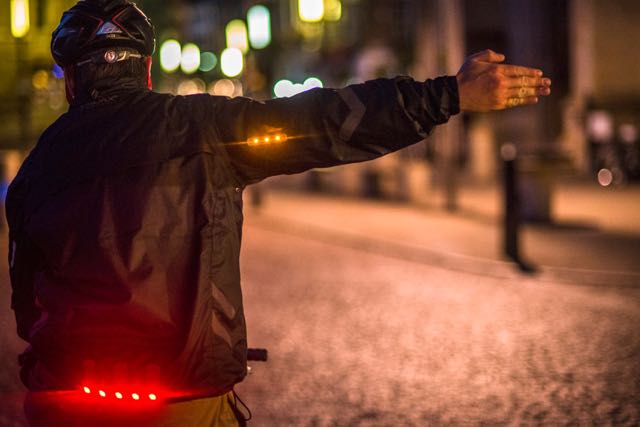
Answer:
(587, 46)
(32, 95)
(31, 91)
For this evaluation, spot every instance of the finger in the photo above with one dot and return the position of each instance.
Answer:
(487, 56)
(516, 101)
(529, 100)
(517, 71)
(521, 92)
(528, 82)
(525, 92)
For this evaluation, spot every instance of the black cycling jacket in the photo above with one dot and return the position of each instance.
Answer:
(126, 221)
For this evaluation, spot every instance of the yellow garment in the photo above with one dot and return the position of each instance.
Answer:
(58, 410)
(207, 412)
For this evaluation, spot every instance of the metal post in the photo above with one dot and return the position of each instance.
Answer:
(511, 230)
(511, 220)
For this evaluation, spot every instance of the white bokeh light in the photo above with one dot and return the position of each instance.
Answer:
(231, 62)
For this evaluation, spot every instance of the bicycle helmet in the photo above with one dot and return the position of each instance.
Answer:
(117, 28)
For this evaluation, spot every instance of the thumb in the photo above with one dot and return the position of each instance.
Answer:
(487, 56)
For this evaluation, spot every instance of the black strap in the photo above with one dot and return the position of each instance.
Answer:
(242, 418)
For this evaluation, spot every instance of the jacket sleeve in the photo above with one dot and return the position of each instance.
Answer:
(24, 262)
(328, 127)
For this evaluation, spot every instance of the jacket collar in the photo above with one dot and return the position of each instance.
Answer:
(108, 90)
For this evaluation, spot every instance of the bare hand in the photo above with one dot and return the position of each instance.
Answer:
(484, 84)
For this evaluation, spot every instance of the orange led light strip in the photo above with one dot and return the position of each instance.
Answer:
(267, 139)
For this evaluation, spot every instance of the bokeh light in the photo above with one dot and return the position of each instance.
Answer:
(259, 23)
(600, 126)
(605, 177)
(170, 55)
(231, 62)
(236, 32)
(628, 133)
(285, 88)
(222, 87)
(208, 61)
(20, 23)
(191, 87)
(226, 87)
(311, 10)
(40, 79)
(190, 61)
(332, 10)
(312, 83)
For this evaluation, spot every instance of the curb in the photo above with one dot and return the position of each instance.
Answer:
(446, 260)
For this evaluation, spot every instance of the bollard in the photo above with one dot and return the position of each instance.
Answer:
(509, 155)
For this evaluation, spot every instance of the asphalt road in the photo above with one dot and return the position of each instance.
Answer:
(359, 338)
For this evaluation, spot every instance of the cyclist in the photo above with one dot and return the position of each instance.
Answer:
(126, 218)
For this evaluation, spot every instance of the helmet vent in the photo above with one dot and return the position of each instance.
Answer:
(108, 28)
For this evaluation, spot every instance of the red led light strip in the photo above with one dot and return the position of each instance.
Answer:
(119, 395)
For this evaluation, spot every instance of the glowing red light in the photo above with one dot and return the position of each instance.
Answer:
(109, 393)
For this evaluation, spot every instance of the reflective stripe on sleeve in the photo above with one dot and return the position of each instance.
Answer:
(355, 116)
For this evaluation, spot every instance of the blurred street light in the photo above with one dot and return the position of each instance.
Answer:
(282, 88)
(259, 23)
(20, 26)
(208, 61)
(231, 61)
(236, 32)
(226, 87)
(605, 177)
(40, 79)
(190, 60)
(285, 88)
(332, 10)
(628, 133)
(191, 87)
(170, 55)
(223, 87)
(20, 23)
(600, 126)
(311, 10)
(312, 83)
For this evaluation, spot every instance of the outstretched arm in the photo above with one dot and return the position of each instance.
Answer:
(328, 127)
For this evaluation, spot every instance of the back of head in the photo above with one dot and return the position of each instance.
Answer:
(96, 25)
(103, 39)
